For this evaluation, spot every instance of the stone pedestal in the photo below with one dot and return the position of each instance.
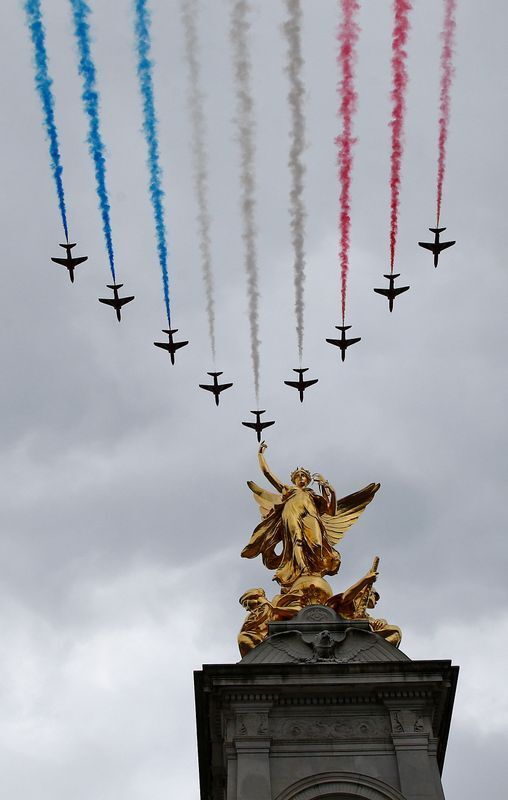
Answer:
(324, 708)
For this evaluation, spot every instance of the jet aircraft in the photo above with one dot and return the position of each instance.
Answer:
(300, 384)
(69, 261)
(436, 246)
(216, 388)
(116, 301)
(391, 293)
(343, 343)
(171, 346)
(258, 426)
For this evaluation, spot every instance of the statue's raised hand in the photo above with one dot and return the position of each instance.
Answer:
(262, 447)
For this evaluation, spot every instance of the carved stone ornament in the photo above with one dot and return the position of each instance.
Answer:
(252, 724)
(408, 721)
(320, 728)
(317, 614)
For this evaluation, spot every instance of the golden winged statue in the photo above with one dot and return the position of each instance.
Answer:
(300, 527)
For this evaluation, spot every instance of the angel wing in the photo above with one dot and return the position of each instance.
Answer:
(265, 500)
(348, 510)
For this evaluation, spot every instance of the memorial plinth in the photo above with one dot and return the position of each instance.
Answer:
(323, 708)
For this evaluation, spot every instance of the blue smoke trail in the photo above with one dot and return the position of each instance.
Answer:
(90, 97)
(142, 30)
(43, 85)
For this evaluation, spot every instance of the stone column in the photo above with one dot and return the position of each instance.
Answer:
(252, 745)
(415, 750)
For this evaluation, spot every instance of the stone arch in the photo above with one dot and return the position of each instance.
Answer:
(340, 786)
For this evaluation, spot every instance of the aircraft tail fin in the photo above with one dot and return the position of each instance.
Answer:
(437, 230)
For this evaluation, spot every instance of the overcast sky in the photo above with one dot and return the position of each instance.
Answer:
(123, 502)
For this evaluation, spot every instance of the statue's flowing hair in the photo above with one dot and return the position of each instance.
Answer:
(303, 471)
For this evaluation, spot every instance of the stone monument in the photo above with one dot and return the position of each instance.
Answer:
(323, 703)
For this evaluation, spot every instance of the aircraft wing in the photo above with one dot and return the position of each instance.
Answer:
(79, 260)
(107, 301)
(400, 290)
(293, 384)
(61, 261)
(256, 425)
(208, 388)
(444, 245)
(336, 342)
(163, 345)
(223, 386)
(177, 345)
(123, 300)
(384, 292)
(310, 383)
(428, 246)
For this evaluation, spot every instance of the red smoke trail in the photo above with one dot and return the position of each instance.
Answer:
(401, 9)
(447, 71)
(347, 38)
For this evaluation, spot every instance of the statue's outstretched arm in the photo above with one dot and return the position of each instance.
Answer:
(328, 493)
(332, 500)
(350, 594)
(265, 469)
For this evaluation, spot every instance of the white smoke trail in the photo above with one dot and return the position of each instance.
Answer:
(292, 31)
(189, 12)
(239, 36)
